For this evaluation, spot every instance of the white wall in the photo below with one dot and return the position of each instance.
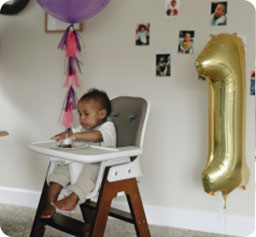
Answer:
(31, 95)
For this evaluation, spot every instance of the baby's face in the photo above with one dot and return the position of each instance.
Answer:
(142, 29)
(219, 10)
(90, 113)
(187, 37)
(173, 3)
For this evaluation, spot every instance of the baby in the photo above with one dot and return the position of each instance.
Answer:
(93, 109)
(143, 35)
(186, 46)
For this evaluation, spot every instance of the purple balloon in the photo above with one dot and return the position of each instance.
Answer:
(73, 11)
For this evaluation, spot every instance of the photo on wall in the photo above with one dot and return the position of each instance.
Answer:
(201, 78)
(186, 40)
(252, 86)
(142, 34)
(219, 13)
(172, 8)
(163, 65)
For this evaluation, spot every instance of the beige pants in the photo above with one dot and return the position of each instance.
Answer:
(84, 184)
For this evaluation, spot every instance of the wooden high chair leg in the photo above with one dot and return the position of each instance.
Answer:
(88, 214)
(102, 208)
(107, 193)
(38, 227)
(136, 208)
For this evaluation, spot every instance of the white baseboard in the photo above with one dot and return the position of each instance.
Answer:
(220, 223)
(19, 197)
(186, 219)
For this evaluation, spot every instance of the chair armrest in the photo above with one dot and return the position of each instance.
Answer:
(103, 165)
(125, 171)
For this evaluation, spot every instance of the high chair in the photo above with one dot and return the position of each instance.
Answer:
(117, 174)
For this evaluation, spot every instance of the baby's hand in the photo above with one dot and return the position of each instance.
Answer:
(58, 137)
(72, 137)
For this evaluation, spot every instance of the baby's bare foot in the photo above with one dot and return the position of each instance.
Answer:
(67, 204)
(48, 211)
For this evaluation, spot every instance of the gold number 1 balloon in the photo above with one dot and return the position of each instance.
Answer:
(222, 63)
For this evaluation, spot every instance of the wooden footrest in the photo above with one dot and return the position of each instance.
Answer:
(67, 224)
(114, 212)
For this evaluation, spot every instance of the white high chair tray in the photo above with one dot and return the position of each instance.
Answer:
(90, 154)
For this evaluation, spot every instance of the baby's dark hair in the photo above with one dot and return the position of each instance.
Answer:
(142, 26)
(100, 96)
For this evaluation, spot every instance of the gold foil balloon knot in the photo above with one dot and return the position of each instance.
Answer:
(222, 63)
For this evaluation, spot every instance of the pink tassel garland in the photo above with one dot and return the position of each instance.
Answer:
(70, 43)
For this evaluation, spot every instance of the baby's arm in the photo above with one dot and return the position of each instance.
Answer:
(90, 136)
(61, 136)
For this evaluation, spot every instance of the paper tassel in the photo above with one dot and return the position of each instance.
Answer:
(72, 80)
(71, 48)
(73, 62)
(70, 103)
(70, 42)
(68, 119)
(77, 41)
(63, 42)
(71, 97)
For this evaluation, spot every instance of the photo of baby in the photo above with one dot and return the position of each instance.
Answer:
(172, 8)
(252, 87)
(163, 65)
(219, 13)
(186, 42)
(142, 34)
(201, 78)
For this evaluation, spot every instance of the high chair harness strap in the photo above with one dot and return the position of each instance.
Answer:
(127, 130)
(113, 116)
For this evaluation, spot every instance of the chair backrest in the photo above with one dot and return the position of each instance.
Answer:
(130, 117)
